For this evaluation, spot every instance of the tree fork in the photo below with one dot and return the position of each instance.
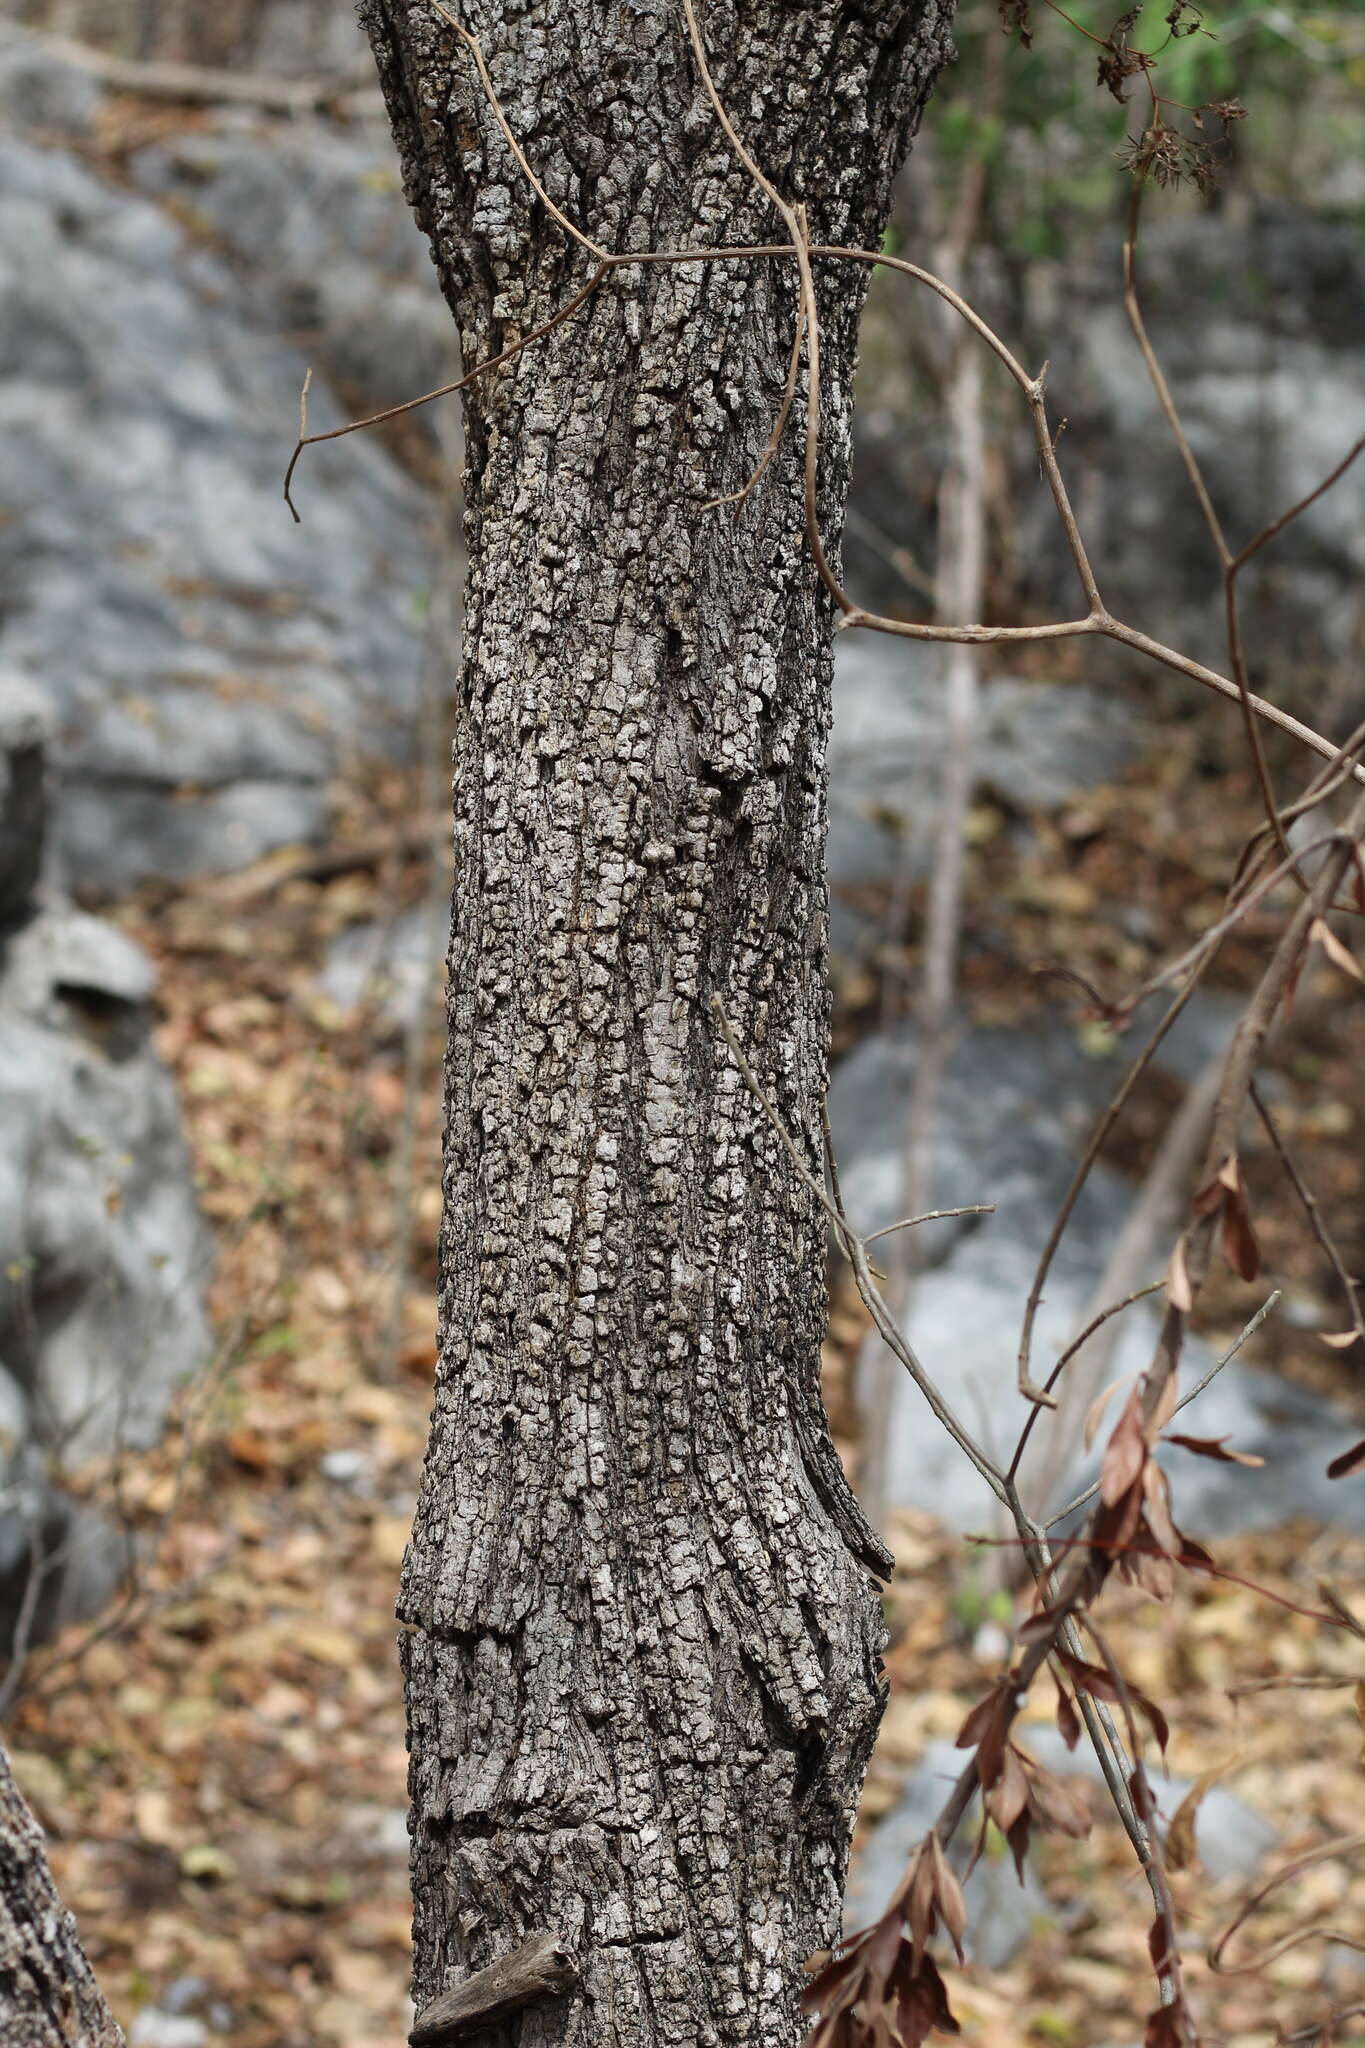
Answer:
(641, 1642)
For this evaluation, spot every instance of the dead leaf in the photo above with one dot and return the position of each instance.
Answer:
(1125, 1454)
(1340, 955)
(1349, 1462)
(1213, 1447)
(1182, 1846)
(1095, 1411)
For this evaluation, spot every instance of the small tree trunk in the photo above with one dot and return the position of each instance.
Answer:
(48, 1994)
(642, 1646)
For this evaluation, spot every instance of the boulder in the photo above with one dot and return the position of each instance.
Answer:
(25, 730)
(314, 222)
(103, 1257)
(1037, 745)
(212, 667)
(1016, 1111)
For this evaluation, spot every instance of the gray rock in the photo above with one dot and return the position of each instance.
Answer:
(211, 666)
(39, 92)
(102, 1252)
(183, 1994)
(1038, 744)
(1017, 1108)
(315, 218)
(103, 1257)
(388, 965)
(349, 1467)
(156, 2028)
(25, 730)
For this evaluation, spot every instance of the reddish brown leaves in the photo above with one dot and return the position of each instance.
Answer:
(1014, 14)
(1164, 2029)
(1024, 1796)
(1068, 1720)
(922, 2006)
(1125, 1454)
(1214, 1447)
(986, 1728)
(1226, 1192)
(1349, 1461)
(883, 1990)
(1102, 1685)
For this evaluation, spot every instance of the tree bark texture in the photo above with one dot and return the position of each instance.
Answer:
(642, 1643)
(48, 1994)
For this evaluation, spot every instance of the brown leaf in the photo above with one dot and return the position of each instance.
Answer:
(1116, 1526)
(1010, 1796)
(952, 1906)
(1042, 1626)
(1349, 1462)
(1153, 1571)
(1055, 1806)
(1178, 1290)
(920, 1904)
(1159, 1947)
(986, 1727)
(1094, 1679)
(1095, 1411)
(1167, 1402)
(1018, 1838)
(1214, 1447)
(922, 2005)
(1068, 1720)
(1125, 1454)
(1339, 954)
(882, 1952)
(1182, 1849)
(1240, 1248)
(979, 1717)
(1163, 2029)
(842, 1972)
(1157, 1490)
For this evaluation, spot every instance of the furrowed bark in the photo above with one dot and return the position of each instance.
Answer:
(641, 1642)
(48, 1994)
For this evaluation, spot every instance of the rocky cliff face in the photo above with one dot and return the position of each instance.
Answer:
(103, 1257)
(211, 666)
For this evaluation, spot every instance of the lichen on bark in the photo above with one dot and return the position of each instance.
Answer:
(641, 1641)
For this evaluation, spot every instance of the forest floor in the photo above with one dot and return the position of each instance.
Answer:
(219, 1761)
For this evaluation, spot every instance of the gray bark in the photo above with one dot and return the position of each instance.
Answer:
(48, 1994)
(641, 1642)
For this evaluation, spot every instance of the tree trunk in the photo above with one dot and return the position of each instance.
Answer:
(48, 1994)
(642, 1645)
